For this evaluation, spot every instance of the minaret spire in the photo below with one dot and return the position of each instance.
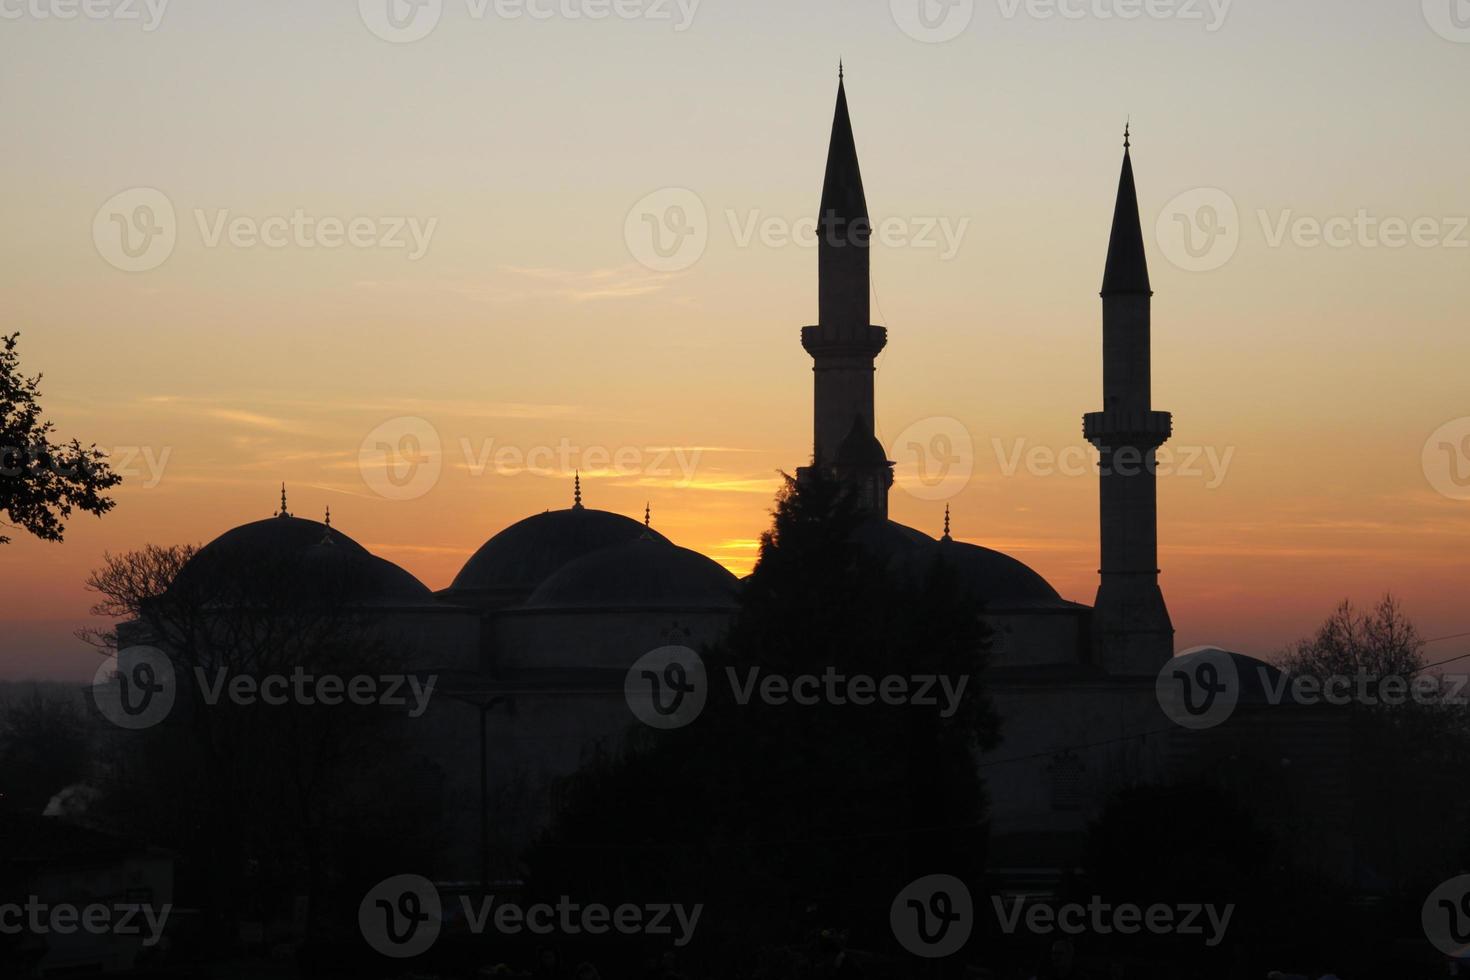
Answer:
(1126, 270)
(1131, 629)
(844, 343)
(843, 229)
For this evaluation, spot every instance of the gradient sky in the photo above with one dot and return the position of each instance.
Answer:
(1321, 370)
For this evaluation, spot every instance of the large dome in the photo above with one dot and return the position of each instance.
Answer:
(291, 558)
(993, 579)
(996, 580)
(646, 573)
(521, 557)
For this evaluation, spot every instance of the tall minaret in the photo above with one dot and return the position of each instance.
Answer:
(1131, 630)
(844, 344)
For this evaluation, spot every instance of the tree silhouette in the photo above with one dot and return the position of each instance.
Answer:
(42, 481)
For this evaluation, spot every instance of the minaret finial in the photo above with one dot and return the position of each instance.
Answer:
(839, 69)
(946, 523)
(1127, 124)
(577, 492)
(284, 512)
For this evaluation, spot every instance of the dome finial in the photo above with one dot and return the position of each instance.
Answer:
(329, 515)
(283, 512)
(946, 524)
(577, 491)
(647, 514)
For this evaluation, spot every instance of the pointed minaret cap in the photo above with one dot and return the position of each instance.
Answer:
(842, 186)
(1127, 268)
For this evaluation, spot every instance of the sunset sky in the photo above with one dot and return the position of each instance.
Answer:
(1305, 376)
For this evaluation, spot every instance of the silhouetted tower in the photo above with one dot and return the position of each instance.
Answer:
(1131, 630)
(843, 344)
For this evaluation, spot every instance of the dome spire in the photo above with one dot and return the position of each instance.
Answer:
(946, 524)
(577, 491)
(328, 521)
(283, 512)
(647, 514)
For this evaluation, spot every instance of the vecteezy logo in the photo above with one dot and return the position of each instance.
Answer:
(1199, 230)
(401, 459)
(1446, 917)
(934, 457)
(1446, 459)
(136, 230)
(1199, 688)
(667, 231)
(932, 21)
(136, 689)
(667, 688)
(933, 916)
(401, 916)
(1450, 19)
(401, 21)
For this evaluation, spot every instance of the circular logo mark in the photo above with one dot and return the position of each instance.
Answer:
(666, 688)
(933, 916)
(136, 689)
(1446, 917)
(401, 916)
(1199, 688)
(401, 21)
(401, 459)
(935, 458)
(1446, 459)
(136, 230)
(667, 231)
(932, 21)
(1450, 19)
(1199, 230)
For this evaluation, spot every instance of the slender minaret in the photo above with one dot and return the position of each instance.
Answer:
(1131, 630)
(843, 344)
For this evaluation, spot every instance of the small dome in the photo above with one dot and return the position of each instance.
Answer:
(646, 573)
(1256, 679)
(521, 557)
(860, 447)
(290, 556)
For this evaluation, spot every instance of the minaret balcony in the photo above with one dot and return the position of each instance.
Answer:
(828, 340)
(1121, 427)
